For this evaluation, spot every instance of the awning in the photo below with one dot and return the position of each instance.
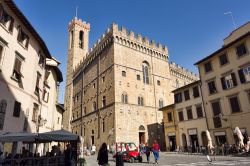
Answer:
(18, 137)
(57, 136)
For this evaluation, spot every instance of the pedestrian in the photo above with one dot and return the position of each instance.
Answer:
(68, 156)
(103, 155)
(147, 151)
(156, 149)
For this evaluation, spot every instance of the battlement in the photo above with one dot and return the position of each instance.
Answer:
(122, 33)
(183, 70)
(78, 22)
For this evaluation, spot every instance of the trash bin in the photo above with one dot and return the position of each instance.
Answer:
(119, 160)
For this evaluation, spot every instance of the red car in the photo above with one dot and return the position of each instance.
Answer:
(129, 151)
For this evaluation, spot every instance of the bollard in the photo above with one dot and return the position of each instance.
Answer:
(119, 159)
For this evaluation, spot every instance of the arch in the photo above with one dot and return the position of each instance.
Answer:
(142, 128)
(3, 106)
(81, 34)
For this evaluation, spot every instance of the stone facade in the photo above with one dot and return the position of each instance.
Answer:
(118, 87)
(29, 77)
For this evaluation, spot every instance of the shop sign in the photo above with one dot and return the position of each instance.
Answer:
(221, 133)
(192, 132)
(171, 134)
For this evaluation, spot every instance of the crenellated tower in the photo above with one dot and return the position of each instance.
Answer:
(78, 45)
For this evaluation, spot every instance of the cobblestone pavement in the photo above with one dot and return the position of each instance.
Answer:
(167, 159)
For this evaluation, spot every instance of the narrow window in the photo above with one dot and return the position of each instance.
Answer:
(212, 87)
(103, 101)
(180, 114)
(145, 71)
(103, 78)
(216, 112)
(208, 67)
(177, 85)
(94, 106)
(234, 102)
(186, 95)
(37, 88)
(124, 73)
(170, 117)
(1, 53)
(223, 59)
(199, 111)
(41, 61)
(23, 38)
(16, 74)
(196, 92)
(46, 96)
(81, 39)
(17, 109)
(35, 112)
(3, 106)
(72, 39)
(189, 113)
(178, 98)
(160, 103)
(241, 50)
(103, 125)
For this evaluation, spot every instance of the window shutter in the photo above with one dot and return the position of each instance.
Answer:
(223, 83)
(242, 76)
(234, 79)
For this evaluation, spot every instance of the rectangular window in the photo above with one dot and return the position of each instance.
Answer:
(178, 98)
(170, 117)
(189, 113)
(22, 37)
(45, 96)
(41, 61)
(124, 73)
(16, 74)
(228, 81)
(244, 74)
(196, 92)
(35, 112)
(180, 114)
(223, 59)
(212, 87)
(186, 95)
(6, 19)
(103, 125)
(158, 82)
(241, 50)
(138, 77)
(234, 102)
(199, 111)
(37, 89)
(208, 67)
(17, 109)
(216, 112)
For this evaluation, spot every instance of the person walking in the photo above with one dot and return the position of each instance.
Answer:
(103, 155)
(156, 149)
(147, 152)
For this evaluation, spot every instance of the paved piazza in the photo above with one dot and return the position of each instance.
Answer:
(167, 159)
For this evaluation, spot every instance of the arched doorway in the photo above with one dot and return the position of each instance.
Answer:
(204, 138)
(184, 141)
(142, 134)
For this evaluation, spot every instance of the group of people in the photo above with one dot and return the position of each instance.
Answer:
(155, 149)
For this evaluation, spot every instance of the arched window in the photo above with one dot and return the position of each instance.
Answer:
(146, 72)
(94, 106)
(81, 39)
(3, 106)
(160, 103)
(140, 101)
(124, 98)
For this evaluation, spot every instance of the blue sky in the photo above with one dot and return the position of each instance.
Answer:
(192, 29)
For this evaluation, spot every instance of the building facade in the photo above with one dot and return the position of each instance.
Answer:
(225, 81)
(29, 76)
(116, 88)
(171, 129)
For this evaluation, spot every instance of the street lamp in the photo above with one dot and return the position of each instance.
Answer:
(231, 18)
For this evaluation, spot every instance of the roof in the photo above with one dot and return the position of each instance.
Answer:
(186, 86)
(223, 48)
(58, 73)
(168, 106)
(60, 106)
(28, 25)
